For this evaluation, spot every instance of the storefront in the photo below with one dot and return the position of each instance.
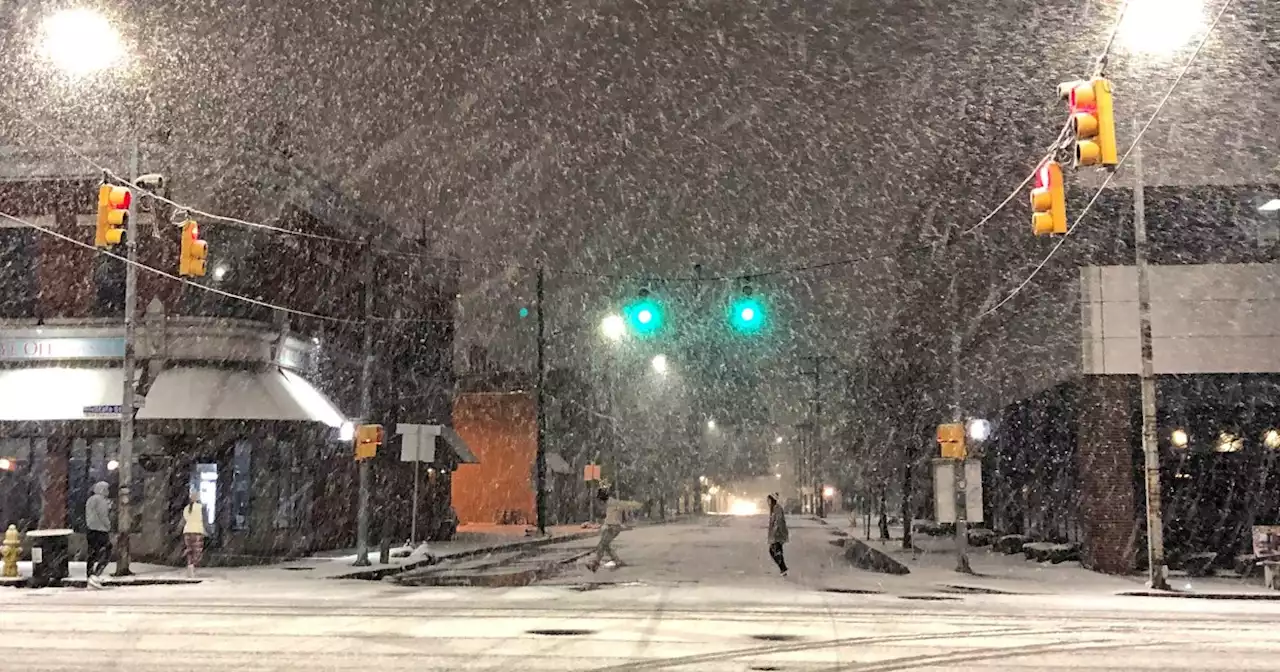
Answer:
(227, 410)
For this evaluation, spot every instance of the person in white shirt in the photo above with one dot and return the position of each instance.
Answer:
(193, 532)
(613, 510)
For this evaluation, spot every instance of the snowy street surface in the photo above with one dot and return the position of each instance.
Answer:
(697, 595)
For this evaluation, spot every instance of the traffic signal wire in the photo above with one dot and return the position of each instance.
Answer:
(1049, 155)
(1100, 68)
(1112, 174)
(203, 287)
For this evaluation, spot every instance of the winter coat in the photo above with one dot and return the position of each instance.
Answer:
(614, 509)
(97, 510)
(778, 526)
(193, 518)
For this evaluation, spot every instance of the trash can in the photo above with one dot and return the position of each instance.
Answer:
(50, 557)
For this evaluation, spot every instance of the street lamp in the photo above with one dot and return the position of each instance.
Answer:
(711, 424)
(80, 42)
(660, 364)
(1160, 27)
(613, 327)
(979, 429)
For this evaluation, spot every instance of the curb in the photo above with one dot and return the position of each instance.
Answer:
(25, 582)
(383, 572)
(1201, 596)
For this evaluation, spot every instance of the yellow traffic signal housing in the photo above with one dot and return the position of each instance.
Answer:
(194, 251)
(113, 215)
(368, 438)
(1049, 201)
(951, 440)
(1093, 121)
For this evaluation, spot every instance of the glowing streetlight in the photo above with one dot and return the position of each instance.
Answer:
(711, 424)
(1271, 439)
(1179, 438)
(1160, 27)
(80, 42)
(778, 440)
(347, 431)
(112, 465)
(979, 429)
(660, 364)
(613, 327)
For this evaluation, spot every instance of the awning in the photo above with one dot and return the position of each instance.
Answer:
(557, 465)
(465, 456)
(59, 393)
(199, 393)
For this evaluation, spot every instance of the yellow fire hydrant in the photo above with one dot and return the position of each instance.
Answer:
(10, 549)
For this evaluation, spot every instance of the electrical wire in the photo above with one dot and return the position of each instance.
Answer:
(1101, 66)
(1053, 151)
(1154, 115)
(197, 285)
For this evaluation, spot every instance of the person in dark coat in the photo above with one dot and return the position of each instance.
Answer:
(778, 534)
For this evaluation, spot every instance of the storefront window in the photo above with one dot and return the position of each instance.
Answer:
(20, 494)
(240, 485)
(93, 461)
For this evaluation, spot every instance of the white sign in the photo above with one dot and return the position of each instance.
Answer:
(944, 490)
(103, 411)
(419, 442)
(61, 348)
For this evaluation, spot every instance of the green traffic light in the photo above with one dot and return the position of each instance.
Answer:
(644, 316)
(524, 312)
(747, 315)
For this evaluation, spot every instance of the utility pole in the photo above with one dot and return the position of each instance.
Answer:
(1150, 448)
(957, 415)
(815, 427)
(540, 462)
(128, 405)
(366, 410)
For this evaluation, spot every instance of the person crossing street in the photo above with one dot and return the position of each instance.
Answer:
(613, 508)
(778, 534)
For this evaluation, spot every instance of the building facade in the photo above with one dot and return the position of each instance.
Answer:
(240, 401)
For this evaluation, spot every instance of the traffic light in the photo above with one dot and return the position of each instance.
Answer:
(644, 314)
(951, 440)
(368, 438)
(1048, 201)
(113, 215)
(746, 312)
(1093, 121)
(194, 251)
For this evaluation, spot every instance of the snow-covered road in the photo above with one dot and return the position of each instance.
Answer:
(709, 601)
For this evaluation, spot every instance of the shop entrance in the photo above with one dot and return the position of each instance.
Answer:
(204, 480)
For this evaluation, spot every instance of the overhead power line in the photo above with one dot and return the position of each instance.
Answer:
(203, 287)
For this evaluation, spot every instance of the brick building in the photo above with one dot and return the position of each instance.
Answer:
(243, 402)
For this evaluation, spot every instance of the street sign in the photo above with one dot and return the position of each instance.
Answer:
(103, 411)
(944, 490)
(418, 442)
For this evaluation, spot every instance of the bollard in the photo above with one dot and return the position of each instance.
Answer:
(10, 550)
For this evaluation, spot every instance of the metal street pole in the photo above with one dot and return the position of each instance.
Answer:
(1150, 447)
(540, 462)
(957, 415)
(820, 464)
(366, 410)
(124, 509)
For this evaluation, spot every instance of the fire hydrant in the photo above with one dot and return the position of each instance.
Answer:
(9, 550)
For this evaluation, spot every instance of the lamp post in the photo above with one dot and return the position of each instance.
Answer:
(82, 42)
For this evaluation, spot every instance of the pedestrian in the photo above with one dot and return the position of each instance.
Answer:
(778, 534)
(613, 510)
(193, 532)
(97, 521)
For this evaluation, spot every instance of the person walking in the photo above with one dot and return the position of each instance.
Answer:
(778, 534)
(613, 510)
(97, 521)
(193, 532)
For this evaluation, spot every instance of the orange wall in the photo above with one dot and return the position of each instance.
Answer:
(502, 431)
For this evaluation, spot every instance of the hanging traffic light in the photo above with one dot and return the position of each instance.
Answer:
(644, 314)
(1049, 201)
(1093, 121)
(368, 438)
(746, 312)
(113, 215)
(194, 251)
